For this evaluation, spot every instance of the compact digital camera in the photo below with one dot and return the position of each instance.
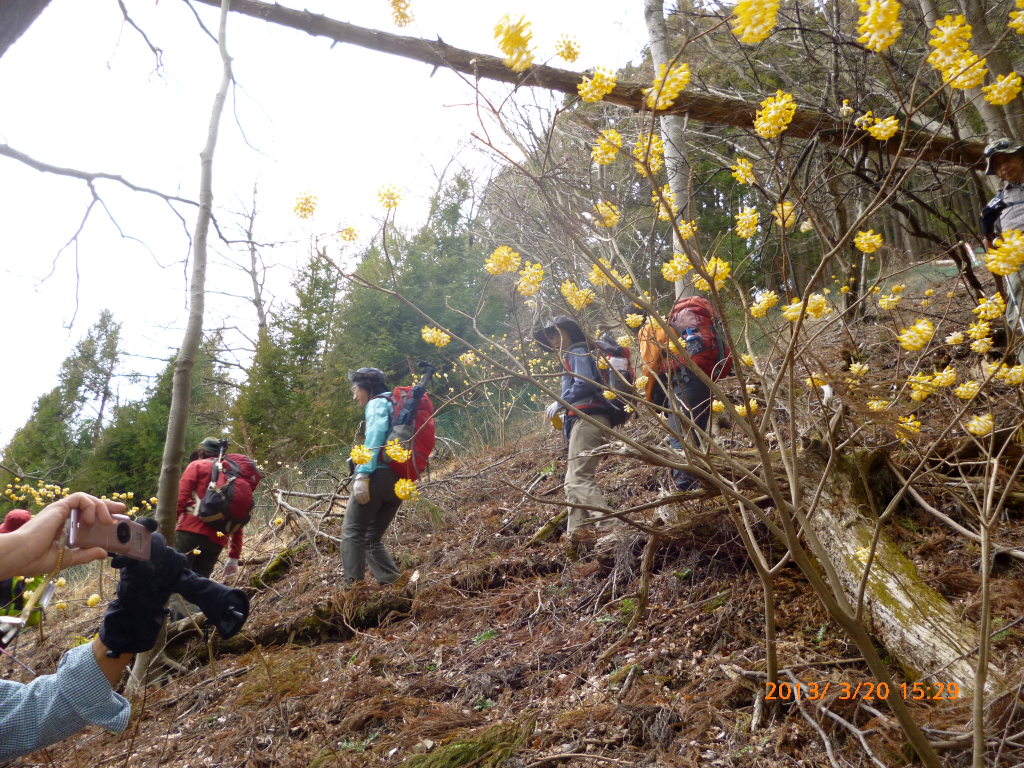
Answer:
(124, 537)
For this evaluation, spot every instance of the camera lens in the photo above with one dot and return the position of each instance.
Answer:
(124, 533)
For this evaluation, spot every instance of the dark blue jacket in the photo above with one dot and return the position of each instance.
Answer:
(578, 388)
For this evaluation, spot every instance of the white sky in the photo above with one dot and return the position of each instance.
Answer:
(79, 91)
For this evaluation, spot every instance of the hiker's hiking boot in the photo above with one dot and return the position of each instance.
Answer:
(580, 542)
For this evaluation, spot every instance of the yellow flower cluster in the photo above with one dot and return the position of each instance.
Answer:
(990, 309)
(979, 329)
(867, 242)
(400, 13)
(743, 171)
(846, 110)
(389, 196)
(607, 147)
(884, 129)
(957, 337)
(1007, 255)
(952, 55)
(750, 407)
(567, 49)
(793, 311)
(608, 394)
(718, 270)
(529, 283)
(93, 600)
(888, 303)
(917, 335)
(746, 223)
(968, 390)
(664, 213)
(435, 336)
(806, 226)
(513, 38)
(361, 455)
(40, 496)
(664, 90)
(649, 149)
(641, 381)
(504, 259)
(755, 19)
(980, 426)
(305, 205)
(607, 214)
(577, 297)
(775, 114)
(634, 320)
(1016, 22)
(765, 301)
(945, 377)
(921, 386)
(1005, 89)
(717, 406)
(859, 369)
(910, 424)
(467, 358)
(878, 405)
(406, 489)
(598, 277)
(349, 234)
(879, 24)
(818, 306)
(1013, 377)
(747, 360)
(784, 215)
(396, 451)
(597, 87)
(278, 520)
(814, 380)
(676, 270)
(981, 346)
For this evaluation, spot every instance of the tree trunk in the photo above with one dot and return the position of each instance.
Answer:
(177, 421)
(917, 626)
(16, 16)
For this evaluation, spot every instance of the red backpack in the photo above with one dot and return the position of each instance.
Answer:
(227, 503)
(701, 329)
(418, 436)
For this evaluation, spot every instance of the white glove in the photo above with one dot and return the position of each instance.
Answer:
(361, 488)
(553, 410)
(231, 567)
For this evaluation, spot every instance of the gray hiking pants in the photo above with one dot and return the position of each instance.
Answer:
(365, 526)
(580, 485)
(693, 397)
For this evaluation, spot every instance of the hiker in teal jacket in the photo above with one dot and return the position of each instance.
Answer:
(373, 503)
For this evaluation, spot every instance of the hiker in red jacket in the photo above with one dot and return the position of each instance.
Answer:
(192, 534)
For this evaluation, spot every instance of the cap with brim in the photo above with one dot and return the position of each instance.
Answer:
(997, 148)
(210, 445)
(366, 375)
(563, 322)
(14, 520)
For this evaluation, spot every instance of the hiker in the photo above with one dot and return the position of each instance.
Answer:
(373, 503)
(81, 692)
(202, 542)
(581, 390)
(698, 326)
(1005, 158)
(14, 589)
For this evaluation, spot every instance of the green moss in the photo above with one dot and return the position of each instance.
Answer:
(489, 749)
(276, 568)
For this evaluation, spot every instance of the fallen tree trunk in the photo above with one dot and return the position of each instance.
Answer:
(917, 626)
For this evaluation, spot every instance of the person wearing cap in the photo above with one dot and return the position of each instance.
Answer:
(373, 503)
(14, 589)
(564, 337)
(1005, 158)
(199, 542)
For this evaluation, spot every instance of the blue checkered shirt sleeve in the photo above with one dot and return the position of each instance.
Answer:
(53, 707)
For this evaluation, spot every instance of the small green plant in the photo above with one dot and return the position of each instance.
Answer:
(431, 667)
(483, 637)
(627, 607)
(358, 745)
(482, 704)
(684, 575)
(550, 468)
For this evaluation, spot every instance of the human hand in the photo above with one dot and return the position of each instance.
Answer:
(361, 489)
(230, 567)
(553, 410)
(32, 549)
(133, 621)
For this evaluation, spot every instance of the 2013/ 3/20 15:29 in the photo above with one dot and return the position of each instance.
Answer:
(863, 690)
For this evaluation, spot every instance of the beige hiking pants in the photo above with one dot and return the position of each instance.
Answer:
(580, 486)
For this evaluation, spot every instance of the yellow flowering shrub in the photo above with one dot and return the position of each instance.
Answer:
(406, 489)
(1005, 89)
(349, 234)
(1016, 22)
(884, 129)
(597, 87)
(676, 270)
(945, 377)
(665, 213)
(608, 394)
(435, 336)
(867, 242)
(400, 13)
(607, 147)
(649, 148)
(664, 90)
(389, 196)
(361, 455)
(718, 270)
(93, 600)
(793, 311)
(1007, 253)
(305, 205)
(979, 329)
(917, 335)
(743, 171)
(980, 426)
(858, 369)
(878, 405)
(513, 38)
(599, 278)
(396, 451)
(634, 320)
(504, 259)
(754, 19)
(467, 358)
(783, 213)
(957, 337)
(765, 301)
(910, 424)
(968, 390)
(879, 24)
(567, 49)
(981, 346)
(746, 223)
(990, 309)
(607, 214)
(775, 115)
(817, 306)
(950, 40)
(577, 297)
(529, 283)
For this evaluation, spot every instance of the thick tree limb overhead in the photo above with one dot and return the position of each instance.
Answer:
(705, 107)
(15, 17)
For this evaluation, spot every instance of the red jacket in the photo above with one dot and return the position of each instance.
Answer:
(197, 476)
